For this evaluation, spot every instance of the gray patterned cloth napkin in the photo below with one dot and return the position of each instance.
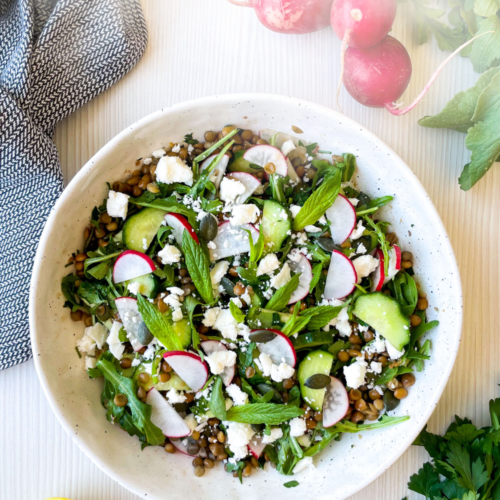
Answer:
(55, 55)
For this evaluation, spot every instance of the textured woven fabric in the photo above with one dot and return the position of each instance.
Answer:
(55, 55)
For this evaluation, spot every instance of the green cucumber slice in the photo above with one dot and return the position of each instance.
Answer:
(315, 362)
(183, 330)
(140, 230)
(275, 227)
(384, 315)
(149, 285)
(241, 165)
(175, 382)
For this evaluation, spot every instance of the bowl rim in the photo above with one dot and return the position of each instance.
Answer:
(57, 408)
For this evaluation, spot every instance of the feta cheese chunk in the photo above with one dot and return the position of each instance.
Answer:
(237, 395)
(305, 463)
(218, 272)
(158, 153)
(230, 189)
(98, 333)
(244, 214)
(218, 360)
(281, 372)
(90, 362)
(357, 231)
(175, 397)
(268, 264)
(86, 345)
(276, 433)
(238, 437)
(312, 229)
(210, 316)
(177, 315)
(365, 265)
(265, 364)
(117, 204)
(294, 209)
(226, 324)
(297, 427)
(287, 147)
(134, 288)
(282, 278)
(169, 255)
(172, 169)
(392, 351)
(355, 373)
(115, 346)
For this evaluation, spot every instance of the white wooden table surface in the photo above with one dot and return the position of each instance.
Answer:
(206, 47)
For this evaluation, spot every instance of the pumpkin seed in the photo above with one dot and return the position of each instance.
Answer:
(264, 389)
(262, 336)
(228, 286)
(327, 244)
(390, 401)
(143, 334)
(318, 381)
(208, 227)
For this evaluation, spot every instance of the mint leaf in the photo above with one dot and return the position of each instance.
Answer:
(198, 265)
(295, 324)
(457, 114)
(190, 304)
(321, 315)
(238, 315)
(291, 484)
(217, 402)
(159, 325)
(263, 413)
(280, 299)
(485, 51)
(316, 271)
(317, 204)
(256, 249)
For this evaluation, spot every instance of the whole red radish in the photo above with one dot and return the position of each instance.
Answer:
(363, 23)
(294, 17)
(377, 76)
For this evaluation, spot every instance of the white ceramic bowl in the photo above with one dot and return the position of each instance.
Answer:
(346, 466)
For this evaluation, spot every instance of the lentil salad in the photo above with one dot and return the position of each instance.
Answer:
(243, 304)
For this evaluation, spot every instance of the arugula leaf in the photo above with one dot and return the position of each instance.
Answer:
(385, 421)
(217, 402)
(99, 272)
(198, 265)
(317, 204)
(141, 412)
(262, 413)
(159, 325)
(280, 299)
(236, 312)
(485, 51)
(291, 484)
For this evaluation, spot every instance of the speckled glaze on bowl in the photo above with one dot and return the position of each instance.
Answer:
(346, 466)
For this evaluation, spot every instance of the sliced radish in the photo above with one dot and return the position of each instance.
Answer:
(164, 416)
(378, 277)
(394, 263)
(131, 264)
(190, 368)
(250, 182)
(179, 224)
(336, 403)
(210, 346)
(342, 217)
(304, 268)
(232, 241)
(131, 319)
(341, 278)
(280, 349)
(218, 172)
(263, 154)
(256, 446)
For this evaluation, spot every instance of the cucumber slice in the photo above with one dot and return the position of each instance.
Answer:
(275, 227)
(175, 382)
(140, 230)
(142, 369)
(149, 285)
(267, 319)
(384, 315)
(183, 330)
(241, 165)
(315, 362)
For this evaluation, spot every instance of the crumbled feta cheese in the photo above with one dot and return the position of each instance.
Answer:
(276, 433)
(281, 372)
(297, 427)
(117, 204)
(237, 395)
(322, 220)
(376, 367)
(158, 153)
(218, 360)
(294, 209)
(98, 332)
(147, 161)
(342, 324)
(226, 324)
(376, 346)
(355, 373)
(86, 345)
(365, 265)
(268, 264)
(175, 397)
(305, 463)
(134, 288)
(392, 351)
(136, 362)
(238, 437)
(361, 249)
(287, 147)
(169, 255)
(392, 265)
(115, 346)
(218, 272)
(211, 245)
(244, 214)
(90, 362)
(312, 229)
(266, 364)
(172, 169)
(190, 421)
(176, 148)
(177, 315)
(358, 231)
(210, 316)
(282, 278)
(230, 189)
(354, 201)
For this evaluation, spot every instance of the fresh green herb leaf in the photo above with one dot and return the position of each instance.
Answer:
(217, 401)
(198, 265)
(188, 139)
(485, 51)
(295, 324)
(259, 413)
(282, 296)
(316, 271)
(190, 304)
(321, 315)
(256, 249)
(291, 484)
(237, 313)
(210, 150)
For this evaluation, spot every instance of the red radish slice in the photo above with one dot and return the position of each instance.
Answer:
(280, 349)
(190, 368)
(131, 319)
(378, 278)
(256, 446)
(164, 416)
(335, 404)
(263, 154)
(179, 224)
(342, 217)
(304, 268)
(210, 346)
(250, 182)
(341, 278)
(394, 263)
(219, 170)
(232, 241)
(131, 264)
